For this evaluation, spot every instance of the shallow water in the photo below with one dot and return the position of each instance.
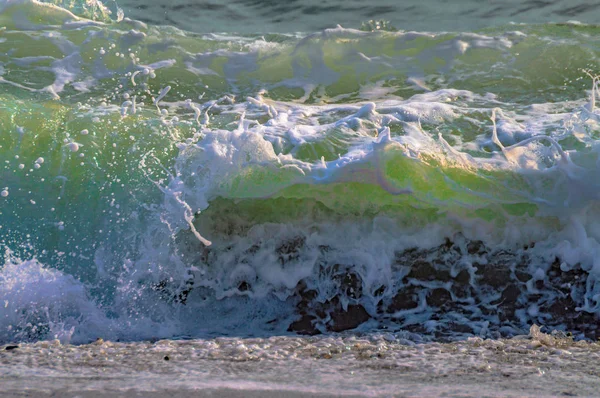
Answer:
(370, 365)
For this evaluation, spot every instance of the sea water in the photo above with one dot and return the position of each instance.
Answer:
(186, 178)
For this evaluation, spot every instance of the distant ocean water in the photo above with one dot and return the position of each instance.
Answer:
(268, 16)
(257, 168)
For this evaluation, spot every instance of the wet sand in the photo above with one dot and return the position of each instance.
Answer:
(288, 366)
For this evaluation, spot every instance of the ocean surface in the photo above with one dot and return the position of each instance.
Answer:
(251, 169)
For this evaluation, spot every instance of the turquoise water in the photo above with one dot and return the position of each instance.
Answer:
(156, 182)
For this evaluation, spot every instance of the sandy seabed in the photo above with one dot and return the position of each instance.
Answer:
(288, 366)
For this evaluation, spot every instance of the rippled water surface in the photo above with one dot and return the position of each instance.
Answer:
(252, 16)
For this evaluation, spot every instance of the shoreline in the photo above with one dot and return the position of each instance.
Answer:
(299, 366)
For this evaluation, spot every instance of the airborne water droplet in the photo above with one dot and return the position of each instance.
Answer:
(73, 146)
